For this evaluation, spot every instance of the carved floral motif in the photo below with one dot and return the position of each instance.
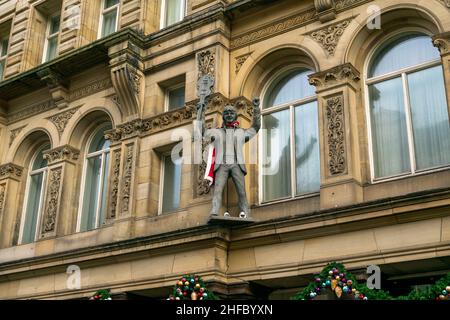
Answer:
(240, 61)
(206, 63)
(115, 183)
(14, 134)
(51, 206)
(329, 37)
(60, 120)
(126, 180)
(10, 170)
(336, 135)
(61, 153)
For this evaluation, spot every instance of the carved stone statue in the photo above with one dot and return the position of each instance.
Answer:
(228, 142)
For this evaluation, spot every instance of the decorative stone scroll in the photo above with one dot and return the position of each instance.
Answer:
(329, 37)
(60, 120)
(206, 62)
(51, 204)
(326, 9)
(336, 135)
(442, 42)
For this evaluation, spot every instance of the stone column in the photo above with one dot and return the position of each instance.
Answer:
(59, 215)
(11, 176)
(339, 134)
(442, 42)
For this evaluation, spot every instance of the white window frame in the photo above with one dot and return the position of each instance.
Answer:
(31, 172)
(53, 35)
(183, 12)
(291, 105)
(161, 184)
(403, 75)
(102, 16)
(4, 57)
(167, 91)
(103, 153)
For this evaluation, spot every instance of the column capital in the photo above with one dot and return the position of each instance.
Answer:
(442, 42)
(335, 77)
(10, 171)
(60, 154)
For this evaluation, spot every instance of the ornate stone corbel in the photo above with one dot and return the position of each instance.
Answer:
(57, 86)
(336, 76)
(126, 76)
(10, 170)
(326, 10)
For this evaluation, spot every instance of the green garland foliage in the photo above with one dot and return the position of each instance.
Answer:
(335, 278)
(191, 287)
(101, 295)
(439, 291)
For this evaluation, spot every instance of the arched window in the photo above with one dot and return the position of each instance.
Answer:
(409, 122)
(290, 141)
(95, 182)
(34, 197)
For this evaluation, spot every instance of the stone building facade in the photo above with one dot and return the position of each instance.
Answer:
(91, 93)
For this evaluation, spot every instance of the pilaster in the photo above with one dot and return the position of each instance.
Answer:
(442, 42)
(338, 126)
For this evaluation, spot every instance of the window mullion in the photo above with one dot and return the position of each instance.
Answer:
(409, 123)
(39, 219)
(292, 146)
(100, 190)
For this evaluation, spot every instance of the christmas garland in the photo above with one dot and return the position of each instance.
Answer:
(101, 295)
(439, 291)
(191, 287)
(335, 277)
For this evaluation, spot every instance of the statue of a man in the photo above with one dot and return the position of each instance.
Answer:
(228, 142)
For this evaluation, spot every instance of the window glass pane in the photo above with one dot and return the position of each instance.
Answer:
(110, 3)
(4, 46)
(54, 25)
(40, 162)
(99, 142)
(109, 23)
(307, 153)
(276, 156)
(91, 190)
(104, 197)
(52, 46)
(2, 68)
(429, 114)
(173, 11)
(172, 184)
(389, 132)
(32, 211)
(176, 98)
(293, 87)
(406, 52)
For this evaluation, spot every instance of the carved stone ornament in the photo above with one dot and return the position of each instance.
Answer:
(446, 2)
(114, 183)
(61, 154)
(60, 120)
(345, 73)
(51, 205)
(329, 37)
(442, 42)
(2, 197)
(14, 134)
(240, 61)
(126, 179)
(126, 80)
(336, 135)
(206, 61)
(10, 170)
(326, 9)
